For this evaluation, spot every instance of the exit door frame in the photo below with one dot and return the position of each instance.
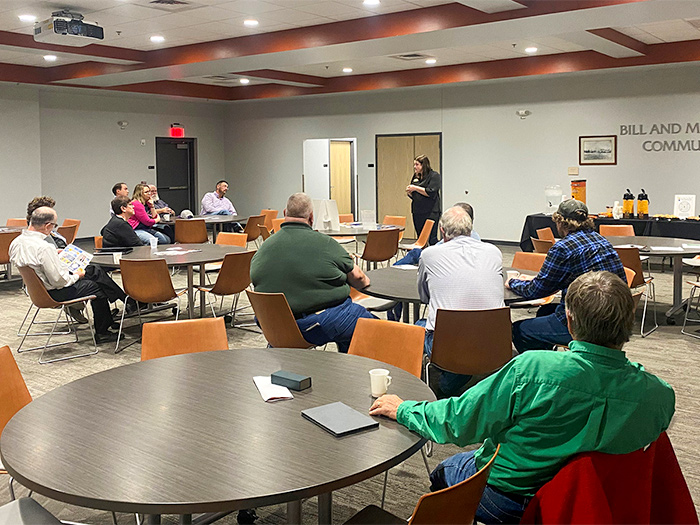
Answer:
(193, 178)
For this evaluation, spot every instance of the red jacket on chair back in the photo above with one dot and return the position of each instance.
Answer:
(645, 486)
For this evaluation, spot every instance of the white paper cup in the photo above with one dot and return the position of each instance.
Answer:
(154, 245)
(379, 381)
(116, 257)
(512, 274)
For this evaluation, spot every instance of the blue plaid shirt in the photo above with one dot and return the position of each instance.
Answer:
(578, 253)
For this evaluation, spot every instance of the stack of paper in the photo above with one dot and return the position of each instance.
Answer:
(270, 392)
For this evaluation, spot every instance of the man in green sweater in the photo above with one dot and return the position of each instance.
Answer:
(315, 274)
(543, 407)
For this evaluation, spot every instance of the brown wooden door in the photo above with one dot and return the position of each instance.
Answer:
(340, 174)
(395, 154)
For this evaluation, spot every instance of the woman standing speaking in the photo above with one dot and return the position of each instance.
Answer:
(424, 192)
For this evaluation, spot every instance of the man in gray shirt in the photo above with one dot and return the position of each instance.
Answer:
(463, 273)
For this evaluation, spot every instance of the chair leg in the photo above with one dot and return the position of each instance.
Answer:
(75, 331)
(649, 292)
(12, 489)
(121, 326)
(689, 306)
(19, 348)
(386, 478)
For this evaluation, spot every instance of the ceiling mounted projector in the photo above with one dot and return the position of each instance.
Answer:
(67, 29)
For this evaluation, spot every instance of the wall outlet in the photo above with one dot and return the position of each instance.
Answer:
(143, 142)
(573, 170)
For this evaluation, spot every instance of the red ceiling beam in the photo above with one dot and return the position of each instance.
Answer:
(381, 26)
(94, 50)
(622, 39)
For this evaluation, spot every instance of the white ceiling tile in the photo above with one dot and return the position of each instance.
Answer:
(250, 7)
(329, 9)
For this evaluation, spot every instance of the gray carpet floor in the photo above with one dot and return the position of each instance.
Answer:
(666, 353)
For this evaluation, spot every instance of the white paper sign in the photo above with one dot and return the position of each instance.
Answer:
(684, 206)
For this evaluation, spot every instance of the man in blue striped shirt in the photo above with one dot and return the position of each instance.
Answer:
(580, 250)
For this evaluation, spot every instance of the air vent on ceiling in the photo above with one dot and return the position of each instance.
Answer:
(222, 78)
(169, 2)
(171, 6)
(410, 56)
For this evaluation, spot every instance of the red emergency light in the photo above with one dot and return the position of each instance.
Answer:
(177, 131)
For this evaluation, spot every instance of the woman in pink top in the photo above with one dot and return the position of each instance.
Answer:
(144, 218)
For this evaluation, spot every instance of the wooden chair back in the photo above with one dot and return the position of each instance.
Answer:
(264, 232)
(455, 505)
(424, 234)
(252, 227)
(98, 242)
(397, 344)
(395, 220)
(528, 261)
(277, 224)
(346, 217)
(546, 234)
(381, 245)
(617, 230)
(630, 259)
(630, 276)
(268, 215)
(69, 232)
(191, 231)
(234, 276)
(147, 280)
(232, 239)
(13, 390)
(472, 341)
(540, 245)
(36, 289)
(6, 239)
(71, 222)
(183, 337)
(17, 223)
(276, 320)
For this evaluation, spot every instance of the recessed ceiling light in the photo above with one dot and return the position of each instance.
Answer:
(431, 61)
(251, 22)
(244, 80)
(157, 39)
(531, 50)
(50, 58)
(347, 70)
(371, 3)
(27, 18)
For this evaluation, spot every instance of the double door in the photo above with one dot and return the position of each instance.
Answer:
(395, 154)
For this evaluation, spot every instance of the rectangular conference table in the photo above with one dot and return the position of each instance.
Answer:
(190, 434)
(654, 227)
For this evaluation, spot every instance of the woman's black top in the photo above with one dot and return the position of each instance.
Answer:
(432, 183)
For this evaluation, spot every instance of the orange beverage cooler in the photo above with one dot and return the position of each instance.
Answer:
(578, 190)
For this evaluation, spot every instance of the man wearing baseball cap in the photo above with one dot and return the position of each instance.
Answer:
(579, 251)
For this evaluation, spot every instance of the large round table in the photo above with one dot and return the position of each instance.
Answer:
(401, 284)
(217, 221)
(204, 253)
(359, 231)
(190, 434)
(677, 249)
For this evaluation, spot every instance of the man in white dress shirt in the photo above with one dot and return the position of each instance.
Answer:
(216, 203)
(463, 273)
(31, 249)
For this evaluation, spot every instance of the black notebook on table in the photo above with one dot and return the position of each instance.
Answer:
(339, 419)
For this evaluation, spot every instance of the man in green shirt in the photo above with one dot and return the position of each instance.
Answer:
(543, 407)
(315, 274)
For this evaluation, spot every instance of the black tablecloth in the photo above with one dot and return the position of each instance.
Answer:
(649, 227)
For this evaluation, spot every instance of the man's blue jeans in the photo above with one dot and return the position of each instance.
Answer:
(495, 506)
(449, 384)
(146, 234)
(335, 324)
(540, 333)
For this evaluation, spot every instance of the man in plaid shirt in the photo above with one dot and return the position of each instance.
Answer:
(580, 250)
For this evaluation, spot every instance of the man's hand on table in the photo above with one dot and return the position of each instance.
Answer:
(521, 277)
(386, 406)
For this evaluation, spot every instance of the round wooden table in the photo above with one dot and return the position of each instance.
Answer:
(665, 247)
(397, 284)
(216, 221)
(355, 231)
(190, 433)
(204, 253)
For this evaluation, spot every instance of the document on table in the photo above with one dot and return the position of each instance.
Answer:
(405, 266)
(687, 246)
(639, 247)
(666, 248)
(270, 392)
(176, 251)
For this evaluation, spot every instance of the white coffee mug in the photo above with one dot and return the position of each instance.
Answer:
(512, 274)
(379, 381)
(166, 217)
(116, 257)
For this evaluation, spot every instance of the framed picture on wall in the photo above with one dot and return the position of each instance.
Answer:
(597, 149)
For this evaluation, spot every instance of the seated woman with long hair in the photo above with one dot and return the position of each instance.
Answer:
(144, 217)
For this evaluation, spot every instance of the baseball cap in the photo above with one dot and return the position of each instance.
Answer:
(573, 209)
